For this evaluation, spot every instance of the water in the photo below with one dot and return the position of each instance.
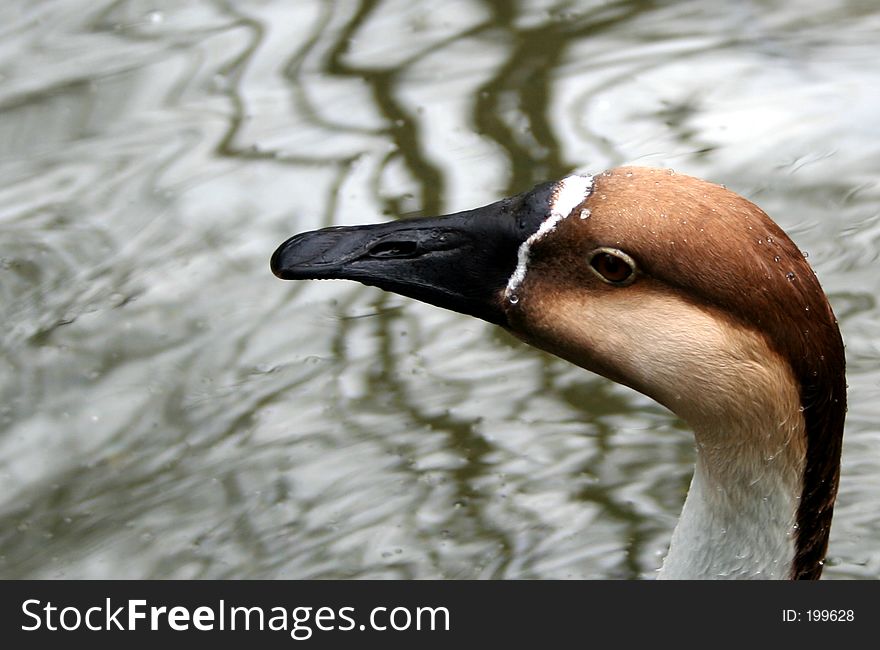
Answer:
(169, 409)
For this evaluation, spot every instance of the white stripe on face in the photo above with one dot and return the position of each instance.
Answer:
(568, 194)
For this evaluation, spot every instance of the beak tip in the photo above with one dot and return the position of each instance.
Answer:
(287, 265)
(277, 263)
(302, 258)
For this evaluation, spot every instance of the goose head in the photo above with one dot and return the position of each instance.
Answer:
(673, 286)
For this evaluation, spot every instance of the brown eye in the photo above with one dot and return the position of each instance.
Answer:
(613, 266)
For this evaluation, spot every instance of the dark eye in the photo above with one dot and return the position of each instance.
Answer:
(613, 266)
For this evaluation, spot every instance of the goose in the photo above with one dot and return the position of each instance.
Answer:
(676, 287)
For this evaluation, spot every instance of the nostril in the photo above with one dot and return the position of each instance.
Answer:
(394, 249)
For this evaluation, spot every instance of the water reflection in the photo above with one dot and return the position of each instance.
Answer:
(169, 409)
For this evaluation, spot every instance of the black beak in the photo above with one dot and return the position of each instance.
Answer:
(460, 262)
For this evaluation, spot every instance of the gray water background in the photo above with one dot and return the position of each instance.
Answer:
(169, 409)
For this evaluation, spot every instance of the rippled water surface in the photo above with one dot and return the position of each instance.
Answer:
(170, 409)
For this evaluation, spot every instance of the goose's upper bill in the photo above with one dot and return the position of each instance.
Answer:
(676, 287)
